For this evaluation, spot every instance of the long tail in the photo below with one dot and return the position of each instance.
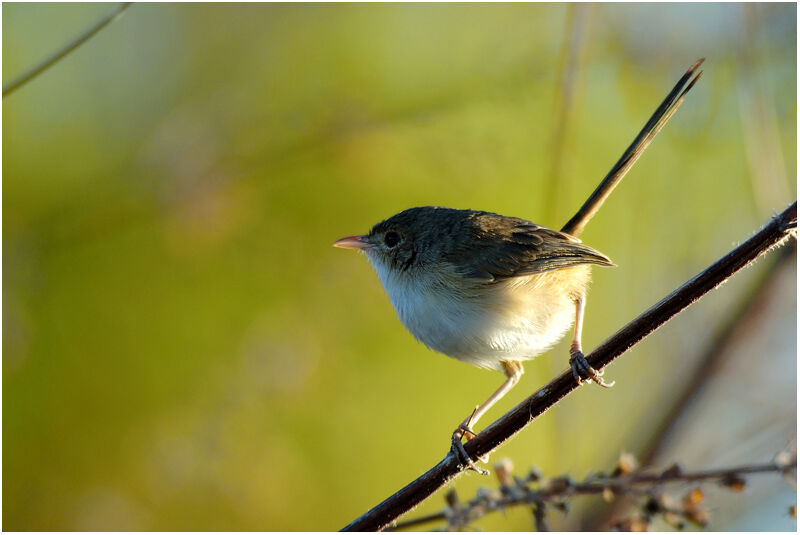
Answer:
(662, 114)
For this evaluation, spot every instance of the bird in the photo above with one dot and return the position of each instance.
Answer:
(492, 290)
(483, 288)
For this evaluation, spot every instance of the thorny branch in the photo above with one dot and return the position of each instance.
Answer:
(543, 494)
(779, 229)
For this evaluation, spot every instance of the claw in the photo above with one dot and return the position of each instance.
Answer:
(603, 383)
(577, 376)
(461, 453)
(583, 371)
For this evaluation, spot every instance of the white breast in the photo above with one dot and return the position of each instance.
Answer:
(479, 323)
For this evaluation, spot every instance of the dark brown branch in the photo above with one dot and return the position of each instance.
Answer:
(775, 232)
(518, 492)
(659, 118)
(66, 49)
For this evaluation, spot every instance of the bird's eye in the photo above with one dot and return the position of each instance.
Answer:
(391, 239)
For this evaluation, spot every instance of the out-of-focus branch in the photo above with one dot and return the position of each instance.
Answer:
(554, 493)
(759, 118)
(577, 17)
(779, 229)
(66, 49)
(711, 359)
(750, 306)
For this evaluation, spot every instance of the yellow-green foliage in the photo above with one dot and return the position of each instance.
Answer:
(183, 349)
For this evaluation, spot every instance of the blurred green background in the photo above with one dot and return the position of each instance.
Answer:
(183, 349)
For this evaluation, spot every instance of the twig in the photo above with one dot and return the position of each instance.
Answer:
(780, 228)
(69, 47)
(659, 118)
(518, 490)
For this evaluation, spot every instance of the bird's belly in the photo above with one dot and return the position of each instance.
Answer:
(514, 320)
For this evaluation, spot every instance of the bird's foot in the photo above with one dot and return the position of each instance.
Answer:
(461, 454)
(583, 371)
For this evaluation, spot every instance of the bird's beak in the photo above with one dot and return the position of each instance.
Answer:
(353, 242)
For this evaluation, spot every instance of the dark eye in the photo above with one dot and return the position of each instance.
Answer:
(391, 239)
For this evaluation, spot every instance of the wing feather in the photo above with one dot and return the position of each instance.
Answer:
(496, 247)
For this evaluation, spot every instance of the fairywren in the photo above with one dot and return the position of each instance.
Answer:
(493, 290)
(483, 288)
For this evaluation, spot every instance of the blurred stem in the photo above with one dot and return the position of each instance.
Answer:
(750, 306)
(768, 180)
(779, 229)
(570, 54)
(66, 49)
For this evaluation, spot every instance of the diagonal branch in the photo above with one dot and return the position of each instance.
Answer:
(780, 228)
(36, 70)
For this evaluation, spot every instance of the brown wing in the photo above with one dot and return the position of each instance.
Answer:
(496, 247)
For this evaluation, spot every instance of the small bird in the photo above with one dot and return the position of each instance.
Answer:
(483, 288)
(493, 290)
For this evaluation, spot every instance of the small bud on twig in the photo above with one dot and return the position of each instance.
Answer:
(734, 482)
(502, 470)
(672, 471)
(451, 498)
(693, 498)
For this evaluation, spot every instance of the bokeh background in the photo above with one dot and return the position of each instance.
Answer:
(183, 349)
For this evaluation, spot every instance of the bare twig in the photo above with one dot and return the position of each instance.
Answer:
(780, 228)
(66, 49)
(531, 490)
(662, 114)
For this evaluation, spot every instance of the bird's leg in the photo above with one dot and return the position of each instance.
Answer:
(513, 370)
(581, 369)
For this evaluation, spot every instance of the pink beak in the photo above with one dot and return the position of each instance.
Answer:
(353, 242)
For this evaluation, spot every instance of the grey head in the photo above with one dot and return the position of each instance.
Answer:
(475, 244)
